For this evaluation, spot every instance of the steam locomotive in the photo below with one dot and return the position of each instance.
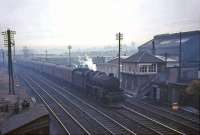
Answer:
(103, 88)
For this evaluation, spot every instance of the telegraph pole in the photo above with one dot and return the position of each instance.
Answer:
(153, 48)
(9, 42)
(119, 37)
(69, 48)
(166, 57)
(46, 55)
(14, 52)
(199, 59)
(180, 56)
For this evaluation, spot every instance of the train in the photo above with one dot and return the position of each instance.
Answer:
(104, 89)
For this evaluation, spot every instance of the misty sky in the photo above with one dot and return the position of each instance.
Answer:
(93, 23)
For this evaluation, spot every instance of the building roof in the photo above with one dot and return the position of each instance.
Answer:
(164, 59)
(115, 60)
(22, 119)
(172, 39)
(143, 57)
(148, 43)
(175, 35)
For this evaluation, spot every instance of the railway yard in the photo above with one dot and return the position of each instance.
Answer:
(78, 114)
(108, 67)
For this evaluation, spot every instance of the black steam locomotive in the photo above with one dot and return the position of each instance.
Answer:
(103, 88)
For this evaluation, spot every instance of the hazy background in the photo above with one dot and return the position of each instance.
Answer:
(94, 23)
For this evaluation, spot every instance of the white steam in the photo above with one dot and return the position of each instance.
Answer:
(88, 62)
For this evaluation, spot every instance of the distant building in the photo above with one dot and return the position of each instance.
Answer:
(183, 47)
(1, 56)
(111, 66)
(98, 60)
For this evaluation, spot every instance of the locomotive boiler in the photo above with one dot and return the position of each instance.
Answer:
(104, 88)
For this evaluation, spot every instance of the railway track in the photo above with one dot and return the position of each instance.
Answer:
(187, 115)
(111, 126)
(149, 122)
(133, 125)
(153, 126)
(193, 118)
(178, 122)
(69, 123)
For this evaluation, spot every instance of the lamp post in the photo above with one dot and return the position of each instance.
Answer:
(119, 37)
(69, 48)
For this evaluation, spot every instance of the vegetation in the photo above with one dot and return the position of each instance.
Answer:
(193, 88)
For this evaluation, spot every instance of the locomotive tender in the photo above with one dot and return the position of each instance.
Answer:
(103, 88)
